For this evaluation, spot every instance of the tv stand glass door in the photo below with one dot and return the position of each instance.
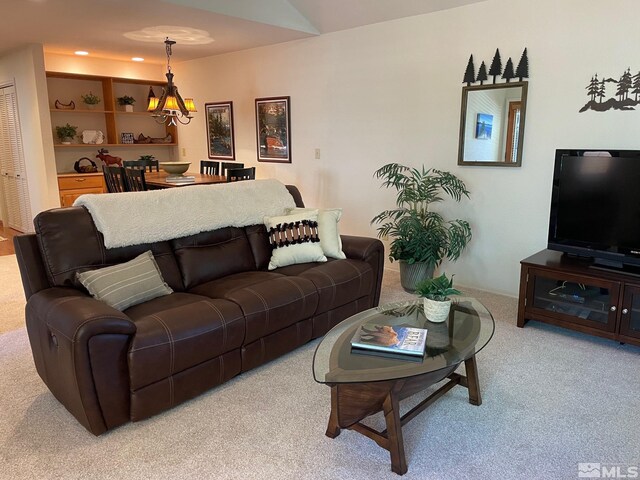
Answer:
(590, 302)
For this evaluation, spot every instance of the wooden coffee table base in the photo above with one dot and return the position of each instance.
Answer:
(352, 402)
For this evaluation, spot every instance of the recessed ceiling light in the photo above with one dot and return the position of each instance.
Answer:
(137, 59)
(81, 52)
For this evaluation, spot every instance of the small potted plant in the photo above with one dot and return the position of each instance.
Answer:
(435, 292)
(90, 100)
(127, 102)
(66, 133)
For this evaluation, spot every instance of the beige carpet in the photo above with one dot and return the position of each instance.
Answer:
(551, 398)
(12, 299)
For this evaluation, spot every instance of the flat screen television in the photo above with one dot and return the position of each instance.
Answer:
(595, 206)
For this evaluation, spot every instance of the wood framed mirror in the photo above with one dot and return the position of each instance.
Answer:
(492, 124)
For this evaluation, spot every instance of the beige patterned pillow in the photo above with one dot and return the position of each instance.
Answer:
(328, 219)
(127, 284)
(294, 239)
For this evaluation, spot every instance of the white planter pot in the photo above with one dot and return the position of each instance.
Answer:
(436, 311)
(128, 108)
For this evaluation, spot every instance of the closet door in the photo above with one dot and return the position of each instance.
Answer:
(15, 191)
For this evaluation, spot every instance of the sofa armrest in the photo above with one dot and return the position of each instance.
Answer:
(370, 250)
(80, 349)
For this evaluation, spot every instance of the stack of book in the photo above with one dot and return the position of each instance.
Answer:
(393, 341)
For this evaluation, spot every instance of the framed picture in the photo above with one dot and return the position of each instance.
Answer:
(273, 129)
(484, 124)
(220, 130)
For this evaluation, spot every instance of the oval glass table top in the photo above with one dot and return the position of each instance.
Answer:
(468, 329)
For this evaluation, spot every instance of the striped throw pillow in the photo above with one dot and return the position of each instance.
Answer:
(127, 284)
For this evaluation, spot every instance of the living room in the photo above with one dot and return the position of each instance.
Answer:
(364, 97)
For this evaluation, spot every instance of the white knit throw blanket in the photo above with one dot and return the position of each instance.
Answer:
(134, 218)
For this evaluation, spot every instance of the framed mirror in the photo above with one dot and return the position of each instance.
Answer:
(492, 124)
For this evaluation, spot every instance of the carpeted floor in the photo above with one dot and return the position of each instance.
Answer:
(551, 399)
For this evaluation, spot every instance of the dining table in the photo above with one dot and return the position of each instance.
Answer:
(159, 180)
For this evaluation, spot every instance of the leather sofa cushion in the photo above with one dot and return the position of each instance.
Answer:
(274, 304)
(179, 331)
(221, 287)
(215, 254)
(69, 243)
(338, 282)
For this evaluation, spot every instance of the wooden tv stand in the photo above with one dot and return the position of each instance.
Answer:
(571, 293)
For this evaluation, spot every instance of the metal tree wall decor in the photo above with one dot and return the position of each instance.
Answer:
(495, 70)
(619, 92)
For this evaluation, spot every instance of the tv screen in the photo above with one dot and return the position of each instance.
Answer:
(595, 205)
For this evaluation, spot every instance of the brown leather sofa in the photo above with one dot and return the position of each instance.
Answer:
(227, 314)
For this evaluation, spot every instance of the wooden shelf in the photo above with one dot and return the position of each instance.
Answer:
(79, 110)
(100, 145)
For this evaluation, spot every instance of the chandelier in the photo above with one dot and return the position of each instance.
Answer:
(170, 106)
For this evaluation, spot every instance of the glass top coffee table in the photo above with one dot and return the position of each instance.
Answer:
(363, 384)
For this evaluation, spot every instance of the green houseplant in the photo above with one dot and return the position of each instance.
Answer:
(435, 292)
(66, 133)
(90, 100)
(420, 237)
(127, 102)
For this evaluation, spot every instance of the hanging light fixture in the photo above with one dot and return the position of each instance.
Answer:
(170, 106)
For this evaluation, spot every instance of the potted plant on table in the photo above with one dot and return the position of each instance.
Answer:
(66, 133)
(420, 237)
(435, 292)
(127, 102)
(90, 100)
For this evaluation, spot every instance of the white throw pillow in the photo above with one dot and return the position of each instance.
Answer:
(328, 219)
(294, 239)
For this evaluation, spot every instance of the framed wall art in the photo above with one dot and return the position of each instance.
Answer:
(484, 125)
(273, 129)
(220, 137)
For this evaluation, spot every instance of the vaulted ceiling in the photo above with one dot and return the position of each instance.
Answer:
(121, 29)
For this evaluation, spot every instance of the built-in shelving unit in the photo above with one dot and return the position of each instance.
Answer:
(108, 117)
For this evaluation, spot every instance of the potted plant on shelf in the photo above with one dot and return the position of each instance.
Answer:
(127, 102)
(420, 237)
(435, 292)
(66, 133)
(90, 100)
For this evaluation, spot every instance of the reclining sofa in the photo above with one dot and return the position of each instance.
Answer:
(227, 313)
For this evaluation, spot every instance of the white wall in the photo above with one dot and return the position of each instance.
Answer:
(392, 92)
(25, 68)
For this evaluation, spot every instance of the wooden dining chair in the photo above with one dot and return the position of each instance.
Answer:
(238, 174)
(224, 166)
(149, 165)
(209, 167)
(134, 178)
(114, 178)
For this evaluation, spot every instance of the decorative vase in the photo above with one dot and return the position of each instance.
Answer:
(413, 273)
(436, 311)
(128, 108)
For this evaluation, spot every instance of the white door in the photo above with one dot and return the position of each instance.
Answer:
(14, 188)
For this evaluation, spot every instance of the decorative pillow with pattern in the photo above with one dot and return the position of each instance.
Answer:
(294, 239)
(124, 285)
(328, 219)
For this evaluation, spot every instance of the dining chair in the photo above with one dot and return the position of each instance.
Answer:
(209, 167)
(142, 164)
(224, 166)
(238, 174)
(134, 178)
(114, 178)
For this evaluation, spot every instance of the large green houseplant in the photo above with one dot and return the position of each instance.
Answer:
(420, 237)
